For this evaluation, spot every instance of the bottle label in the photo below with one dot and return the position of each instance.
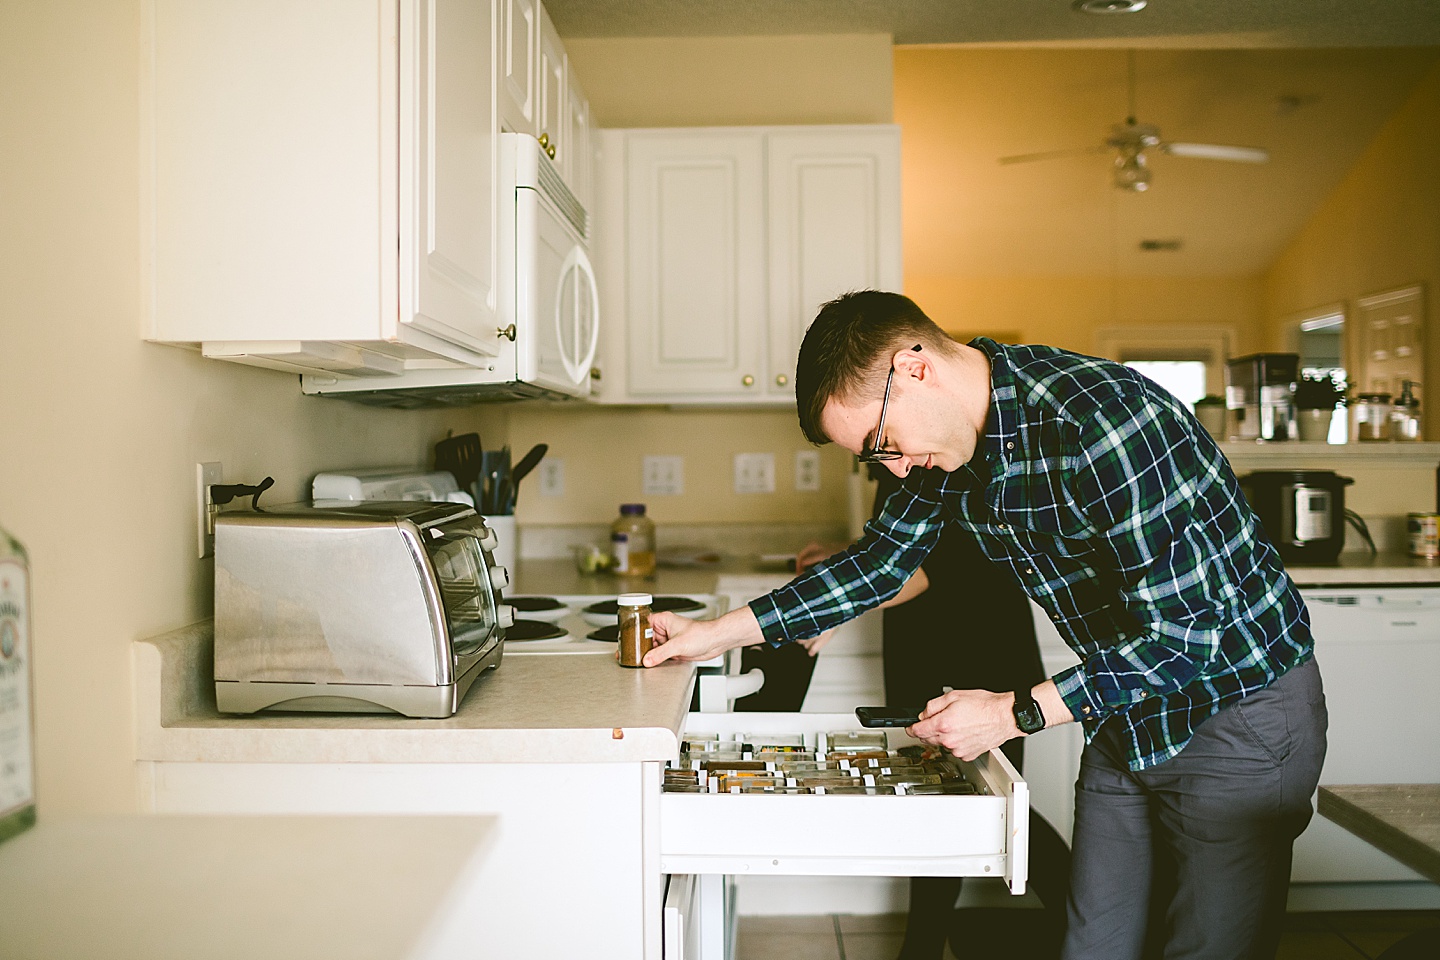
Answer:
(17, 771)
(620, 548)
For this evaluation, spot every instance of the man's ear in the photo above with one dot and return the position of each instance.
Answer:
(912, 363)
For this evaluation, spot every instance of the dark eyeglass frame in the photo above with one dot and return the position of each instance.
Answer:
(878, 454)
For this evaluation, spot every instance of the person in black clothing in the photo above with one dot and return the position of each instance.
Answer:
(971, 630)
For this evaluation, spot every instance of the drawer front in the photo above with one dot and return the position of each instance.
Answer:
(844, 835)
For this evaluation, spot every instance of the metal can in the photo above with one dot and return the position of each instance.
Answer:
(1424, 530)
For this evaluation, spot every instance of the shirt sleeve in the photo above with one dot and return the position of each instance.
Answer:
(1141, 483)
(860, 578)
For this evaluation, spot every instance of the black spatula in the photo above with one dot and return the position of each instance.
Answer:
(461, 456)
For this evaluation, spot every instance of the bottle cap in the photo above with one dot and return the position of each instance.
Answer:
(634, 600)
(632, 509)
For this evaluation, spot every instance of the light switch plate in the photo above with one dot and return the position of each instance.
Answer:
(664, 476)
(807, 470)
(754, 473)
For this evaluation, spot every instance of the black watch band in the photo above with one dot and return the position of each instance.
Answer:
(1028, 716)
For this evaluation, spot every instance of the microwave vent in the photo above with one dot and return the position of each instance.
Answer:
(554, 188)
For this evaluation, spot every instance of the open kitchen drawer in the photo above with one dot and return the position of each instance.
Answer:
(984, 835)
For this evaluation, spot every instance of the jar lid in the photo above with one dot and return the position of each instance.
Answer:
(634, 599)
(630, 509)
(1373, 397)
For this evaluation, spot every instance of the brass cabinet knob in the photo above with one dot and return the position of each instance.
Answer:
(544, 140)
(594, 373)
(781, 379)
(550, 151)
(748, 380)
(507, 333)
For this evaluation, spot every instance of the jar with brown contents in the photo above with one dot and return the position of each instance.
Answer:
(635, 633)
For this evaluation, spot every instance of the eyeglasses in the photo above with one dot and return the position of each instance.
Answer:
(877, 453)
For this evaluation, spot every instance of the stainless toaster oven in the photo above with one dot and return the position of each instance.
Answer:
(353, 607)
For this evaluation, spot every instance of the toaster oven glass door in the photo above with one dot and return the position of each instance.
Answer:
(465, 589)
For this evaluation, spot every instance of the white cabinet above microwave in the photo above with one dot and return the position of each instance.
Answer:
(721, 243)
(323, 185)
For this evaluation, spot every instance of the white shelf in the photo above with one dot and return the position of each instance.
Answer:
(1303, 453)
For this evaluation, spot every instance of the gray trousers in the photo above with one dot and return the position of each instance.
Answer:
(1208, 833)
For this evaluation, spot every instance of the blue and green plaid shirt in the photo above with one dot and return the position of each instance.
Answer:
(1121, 518)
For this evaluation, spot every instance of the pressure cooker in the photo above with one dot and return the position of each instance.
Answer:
(1302, 511)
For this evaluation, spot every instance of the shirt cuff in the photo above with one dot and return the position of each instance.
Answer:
(1075, 690)
(767, 614)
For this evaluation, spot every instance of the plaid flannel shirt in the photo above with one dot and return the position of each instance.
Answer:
(1119, 516)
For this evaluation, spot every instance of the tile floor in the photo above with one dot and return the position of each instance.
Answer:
(1308, 936)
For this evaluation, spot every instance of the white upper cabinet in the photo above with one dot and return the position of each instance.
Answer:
(322, 179)
(834, 226)
(733, 239)
(695, 243)
(579, 151)
(551, 117)
(519, 71)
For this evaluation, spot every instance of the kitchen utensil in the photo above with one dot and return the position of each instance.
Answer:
(523, 468)
(461, 456)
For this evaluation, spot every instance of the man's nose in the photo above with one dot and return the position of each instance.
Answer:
(899, 467)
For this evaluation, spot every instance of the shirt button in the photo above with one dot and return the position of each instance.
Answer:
(1004, 526)
(1084, 709)
(1009, 446)
(1029, 569)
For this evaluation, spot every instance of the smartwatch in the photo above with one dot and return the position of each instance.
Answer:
(1028, 716)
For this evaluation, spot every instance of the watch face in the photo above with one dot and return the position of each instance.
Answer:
(1028, 716)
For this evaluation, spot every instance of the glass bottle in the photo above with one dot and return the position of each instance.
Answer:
(636, 636)
(17, 722)
(1371, 413)
(1405, 414)
(632, 541)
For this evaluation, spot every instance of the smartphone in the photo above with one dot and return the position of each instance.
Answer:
(888, 716)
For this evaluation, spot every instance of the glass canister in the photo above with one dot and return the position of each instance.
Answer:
(1370, 413)
(633, 610)
(17, 723)
(632, 542)
(1405, 414)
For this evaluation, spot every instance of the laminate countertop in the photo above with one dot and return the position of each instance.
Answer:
(533, 708)
(161, 887)
(1403, 819)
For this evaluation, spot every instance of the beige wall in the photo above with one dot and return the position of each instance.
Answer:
(1378, 230)
(700, 82)
(100, 431)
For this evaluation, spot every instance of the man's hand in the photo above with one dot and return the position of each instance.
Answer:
(967, 722)
(679, 638)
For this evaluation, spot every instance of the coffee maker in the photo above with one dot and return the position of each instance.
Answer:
(1260, 388)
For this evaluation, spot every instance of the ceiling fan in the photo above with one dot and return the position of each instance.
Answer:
(1131, 139)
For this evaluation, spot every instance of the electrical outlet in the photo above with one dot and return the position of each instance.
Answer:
(664, 476)
(807, 470)
(206, 474)
(552, 477)
(754, 473)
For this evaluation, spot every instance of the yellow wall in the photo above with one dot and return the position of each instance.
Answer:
(701, 82)
(1068, 311)
(100, 431)
(1378, 230)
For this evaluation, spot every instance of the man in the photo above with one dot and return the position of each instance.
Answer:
(1115, 511)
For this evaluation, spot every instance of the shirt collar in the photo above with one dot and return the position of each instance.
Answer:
(1001, 443)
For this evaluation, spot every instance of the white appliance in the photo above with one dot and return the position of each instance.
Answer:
(547, 293)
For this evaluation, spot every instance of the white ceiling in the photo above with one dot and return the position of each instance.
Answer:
(1215, 23)
(1311, 81)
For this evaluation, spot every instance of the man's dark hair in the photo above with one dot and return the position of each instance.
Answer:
(847, 350)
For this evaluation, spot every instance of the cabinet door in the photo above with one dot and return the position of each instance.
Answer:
(695, 236)
(519, 50)
(551, 119)
(449, 171)
(834, 226)
(575, 144)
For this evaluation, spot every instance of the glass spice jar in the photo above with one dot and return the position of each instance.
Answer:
(1371, 413)
(632, 542)
(635, 633)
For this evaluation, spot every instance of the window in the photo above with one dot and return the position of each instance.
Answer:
(1184, 378)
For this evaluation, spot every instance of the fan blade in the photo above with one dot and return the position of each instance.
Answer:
(1214, 151)
(1054, 154)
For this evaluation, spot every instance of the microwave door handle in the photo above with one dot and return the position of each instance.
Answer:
(577, 264)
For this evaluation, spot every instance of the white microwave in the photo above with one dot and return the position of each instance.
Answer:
(548, 302)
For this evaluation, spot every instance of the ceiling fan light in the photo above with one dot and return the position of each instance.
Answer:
(1132, 172)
